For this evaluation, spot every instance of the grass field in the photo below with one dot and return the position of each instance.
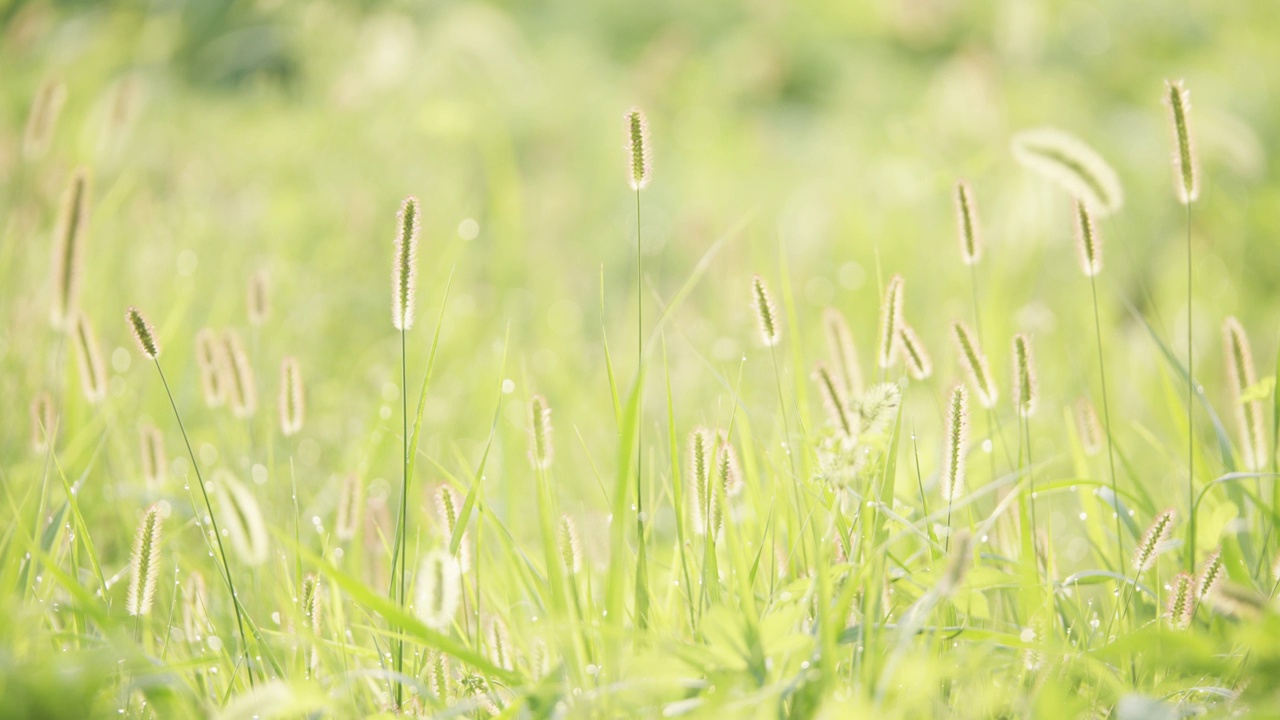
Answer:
(717, 359)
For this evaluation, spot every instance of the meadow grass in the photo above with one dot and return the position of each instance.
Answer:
(748, 527)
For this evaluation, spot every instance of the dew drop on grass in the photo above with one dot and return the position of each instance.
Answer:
(1084, 516)
(986, 446)
(508, 386)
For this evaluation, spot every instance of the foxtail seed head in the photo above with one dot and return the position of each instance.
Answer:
(639, 152)
(154, 458)
(770, 332)
(404, 272)
(439, 587)
(144, 564)
(310, 601)
(570, 546)
(143, 333)
(238, 372)
(241, 518)
(1249, 414)
(844, 355)
(93, 373)
(727, 473)
(195, 609)
(891, 322)
(69, 237)
(258, 298)
(833, 399)
(1072, 165)
(1144, 555)
(350, 500)
(704, 497)
(44, 423)
(541, 450)
(878, 407)
(211, 362)
(499, 640)
(1024, 377)
(1210, 575)
(1088, 241)
(1088, 425)
(449, 505)
(1181, 603)
(918, 362)
(967, 219)
(1186, 178)
(43, 119)
(959, 560)
(292, 402)
(975, 362)
(957, 439)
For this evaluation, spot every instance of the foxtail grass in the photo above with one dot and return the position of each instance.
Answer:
(890, 324)
(541, 454)
(145, 336)
(238, 371)
(154, 458)
(439, 588)
(953, 456)
(42, 120)
(639, 148)
(93, 372)
(404, 273)
(1242, 377)
(69, 236)
(292, 402)
(258, 299)
(1072, 165)
(1187, 189)
(144, 564)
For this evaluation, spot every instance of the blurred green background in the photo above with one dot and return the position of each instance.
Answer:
(816, 141)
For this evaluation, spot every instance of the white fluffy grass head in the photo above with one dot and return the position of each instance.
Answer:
(1072, 165)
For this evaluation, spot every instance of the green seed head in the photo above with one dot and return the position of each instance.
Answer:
(639, 153)
(957, 439)
(891, 323)
(144, 566)
(404, 271)
(1088, 241)
(770, 332)
(967, 219)
(143, 333)
(1186, 178)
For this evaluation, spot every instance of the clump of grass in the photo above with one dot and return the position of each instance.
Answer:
(144, 564)
(292, 401)
(1243, 376)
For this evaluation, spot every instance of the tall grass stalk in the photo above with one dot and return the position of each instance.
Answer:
(147, 343)
(640, 157)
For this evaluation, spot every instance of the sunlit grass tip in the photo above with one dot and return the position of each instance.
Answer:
(292, 400)
(93, 372)
(833, 399)
(541, 448)
(1025, 393)
(878, 407)
(1249, 412)
(570, 545)
(1072, 165)
(439, 587)
(144, 564)
(69, 235)
(143, 333)
(967, 220)
(975, 363)
(1185, 168)
(238, 371)
(770, 331)
(258, 298)
(241, 518)
(1088, 241)
(1144, 555)
(1181, 603)
(404, 271)
(891, 323)
(953, 463)
(917, 358)
(154, 457)
(842, 352)
(639, 149)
